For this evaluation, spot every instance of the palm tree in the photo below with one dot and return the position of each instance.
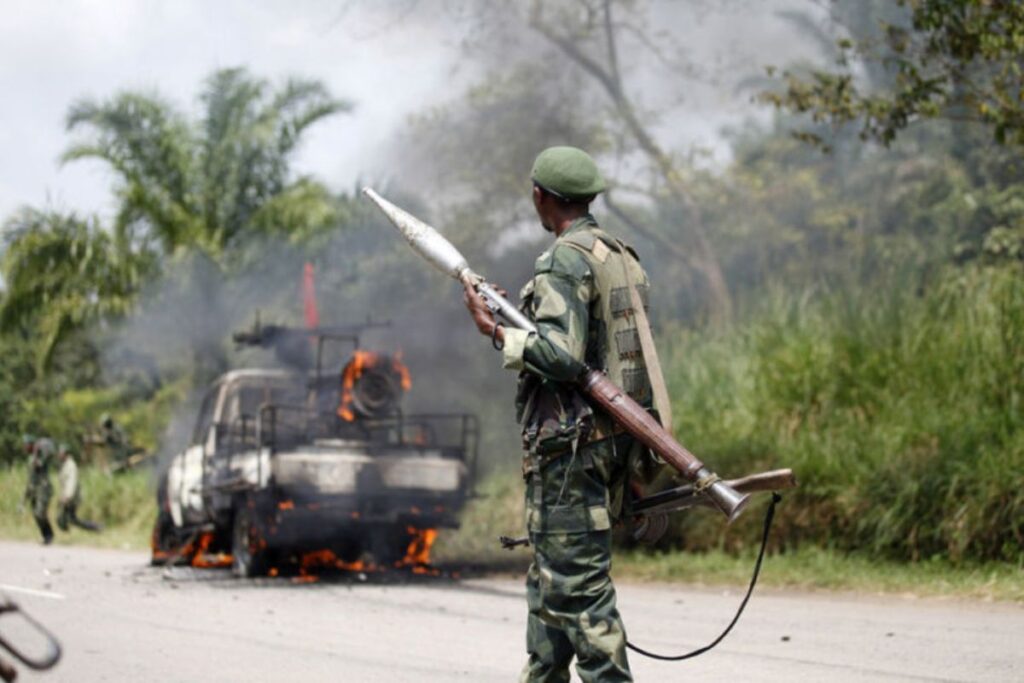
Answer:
(61, 274)
(210, 183)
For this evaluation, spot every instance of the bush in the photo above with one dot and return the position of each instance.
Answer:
(899, 411)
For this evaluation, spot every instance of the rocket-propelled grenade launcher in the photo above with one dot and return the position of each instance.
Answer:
(443, 255)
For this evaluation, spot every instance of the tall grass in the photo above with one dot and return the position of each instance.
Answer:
(899, 410)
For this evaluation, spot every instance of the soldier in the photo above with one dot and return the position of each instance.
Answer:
(112, 437)
(39, 490)
(68, 498)
(577, 462)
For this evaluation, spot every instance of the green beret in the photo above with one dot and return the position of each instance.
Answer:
(567, 172)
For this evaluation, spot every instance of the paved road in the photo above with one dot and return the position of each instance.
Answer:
(120, 620)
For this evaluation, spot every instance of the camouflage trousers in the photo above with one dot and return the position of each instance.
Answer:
(41, 513)
(569, 590)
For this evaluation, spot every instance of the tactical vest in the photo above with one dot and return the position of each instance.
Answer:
(614, 342)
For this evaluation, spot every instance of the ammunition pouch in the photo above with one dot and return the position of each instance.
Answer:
(555, 419)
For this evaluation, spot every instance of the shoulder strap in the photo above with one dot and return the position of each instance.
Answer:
(647, 348)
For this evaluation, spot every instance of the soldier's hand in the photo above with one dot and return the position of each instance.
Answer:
(478, 310)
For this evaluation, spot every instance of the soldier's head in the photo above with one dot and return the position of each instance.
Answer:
(28, 442)
(106, 421)
(565, 181)
(63, 451)
(44, 448)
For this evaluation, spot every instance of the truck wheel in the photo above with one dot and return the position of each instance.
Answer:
(163, 541)
(248, 552)
(388, 545)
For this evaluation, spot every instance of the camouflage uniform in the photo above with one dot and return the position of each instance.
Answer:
(39, 490)
(113, 438)
(576, 466)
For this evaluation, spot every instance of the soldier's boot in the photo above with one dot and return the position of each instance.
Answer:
(84, 523)
(45, 529)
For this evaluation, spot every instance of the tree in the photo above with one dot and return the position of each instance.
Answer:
(63, 273)
(957, 60)
(570, 72)
(207, 184)
(587, 33)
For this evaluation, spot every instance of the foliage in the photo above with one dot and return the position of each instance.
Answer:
(951, 59)
(210, 184)
(898, 410)
(565, 72)
(62, 274)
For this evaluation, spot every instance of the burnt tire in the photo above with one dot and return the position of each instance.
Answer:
(248, 549)
(389, 544)
(163, 542)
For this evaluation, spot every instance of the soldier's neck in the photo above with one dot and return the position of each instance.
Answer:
(565, 221)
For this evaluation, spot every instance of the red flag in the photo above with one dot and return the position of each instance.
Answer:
(309, 297)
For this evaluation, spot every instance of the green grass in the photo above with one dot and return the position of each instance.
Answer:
(813, 568)
(500, 512)
(124, 504)
(901, 412)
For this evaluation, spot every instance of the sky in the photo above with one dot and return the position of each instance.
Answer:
(53, 53)
(390, 57)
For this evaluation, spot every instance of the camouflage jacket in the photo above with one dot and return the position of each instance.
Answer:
(38, 485)
(571, 300)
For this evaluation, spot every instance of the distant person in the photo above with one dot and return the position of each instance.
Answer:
(38, 489)
(68, 498)
(112, 438)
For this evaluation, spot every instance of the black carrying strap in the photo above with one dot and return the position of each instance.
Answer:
(768, 517)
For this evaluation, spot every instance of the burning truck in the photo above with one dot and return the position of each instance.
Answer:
(311, 467)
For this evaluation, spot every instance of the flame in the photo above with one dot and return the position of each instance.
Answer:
(362, 361)
(310, 562)
(202, 559)
(286, 505)
(161, 555)
(417, 555)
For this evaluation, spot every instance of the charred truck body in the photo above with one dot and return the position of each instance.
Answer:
(283, 463)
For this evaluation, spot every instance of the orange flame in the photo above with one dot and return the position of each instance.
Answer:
(205, 560)
(362, 361)
(417, 555)
(326, 559)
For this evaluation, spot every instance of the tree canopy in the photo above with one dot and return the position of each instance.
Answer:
(209, 183)
(958, 60)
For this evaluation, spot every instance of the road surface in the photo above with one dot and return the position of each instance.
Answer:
(120, 620)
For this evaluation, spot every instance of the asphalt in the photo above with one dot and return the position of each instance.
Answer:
(121, 620)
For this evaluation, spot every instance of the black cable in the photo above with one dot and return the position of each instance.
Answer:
(494, 336)
(768, 517)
